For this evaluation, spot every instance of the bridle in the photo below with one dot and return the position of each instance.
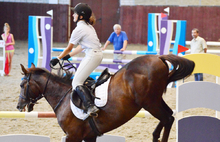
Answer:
(28, 96)
(34, 100)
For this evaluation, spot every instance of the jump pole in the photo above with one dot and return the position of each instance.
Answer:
(135, 52)
(17, 114)
(104, 60)
(129, 52)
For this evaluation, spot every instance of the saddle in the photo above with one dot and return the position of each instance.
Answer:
(91, 84)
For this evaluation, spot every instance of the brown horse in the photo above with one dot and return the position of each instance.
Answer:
(139, 84)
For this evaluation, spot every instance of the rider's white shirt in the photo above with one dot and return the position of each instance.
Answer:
(85, 35)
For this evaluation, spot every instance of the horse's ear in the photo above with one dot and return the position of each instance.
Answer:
(23, 69)
(32, 65)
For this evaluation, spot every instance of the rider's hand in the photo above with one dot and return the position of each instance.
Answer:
(66, 57)
(53, 62)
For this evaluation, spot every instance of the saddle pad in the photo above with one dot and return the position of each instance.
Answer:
(100, 92)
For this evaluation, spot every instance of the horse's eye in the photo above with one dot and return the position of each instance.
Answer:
(22, 85)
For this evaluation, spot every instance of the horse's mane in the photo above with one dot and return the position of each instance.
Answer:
(67, 79)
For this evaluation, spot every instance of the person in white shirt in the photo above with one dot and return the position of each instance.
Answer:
(85, 35)
(198, 45)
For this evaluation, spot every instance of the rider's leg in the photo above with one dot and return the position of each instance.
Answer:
(85, 95)
(91, 61)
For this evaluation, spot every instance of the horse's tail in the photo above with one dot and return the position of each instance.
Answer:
(182, 67)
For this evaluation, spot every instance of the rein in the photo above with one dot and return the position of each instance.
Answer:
(58, 104)
(47, 83)
(62, 67)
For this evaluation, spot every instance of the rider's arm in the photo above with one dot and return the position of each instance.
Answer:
(77, 50)
(66, 51)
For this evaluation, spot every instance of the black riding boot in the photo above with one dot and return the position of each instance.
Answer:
(85, 96)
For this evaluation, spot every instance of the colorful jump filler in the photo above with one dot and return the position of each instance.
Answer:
(154, 20)
(34, 44)
(165, 31)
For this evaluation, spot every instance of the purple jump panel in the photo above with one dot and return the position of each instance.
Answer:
(199, 129)
(46, 41)
(166, 32)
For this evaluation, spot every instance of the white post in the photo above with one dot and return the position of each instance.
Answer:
(2, 58)
(69, 20)
(51, 14)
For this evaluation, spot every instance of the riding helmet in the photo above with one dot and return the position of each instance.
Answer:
(84, 10)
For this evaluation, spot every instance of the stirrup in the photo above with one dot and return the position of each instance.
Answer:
(92, 109)
(91, 115)
(94, 114)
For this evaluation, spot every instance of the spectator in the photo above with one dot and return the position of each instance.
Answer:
(198, 45)
(119, 39)
(9, 44)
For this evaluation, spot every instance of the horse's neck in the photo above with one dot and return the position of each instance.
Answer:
(55, 91)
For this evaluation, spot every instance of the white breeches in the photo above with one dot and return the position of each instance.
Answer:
(89, 63)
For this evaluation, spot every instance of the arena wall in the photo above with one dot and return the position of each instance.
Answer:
(171, 2)
(16, 14)
(134, 20)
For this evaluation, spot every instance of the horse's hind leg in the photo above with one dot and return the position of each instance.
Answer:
(164, 114)
(157, 131)
(171, 119)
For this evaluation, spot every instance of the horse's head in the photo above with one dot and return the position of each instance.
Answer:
(30, 91)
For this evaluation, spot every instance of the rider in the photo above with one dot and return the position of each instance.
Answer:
(85, 35)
